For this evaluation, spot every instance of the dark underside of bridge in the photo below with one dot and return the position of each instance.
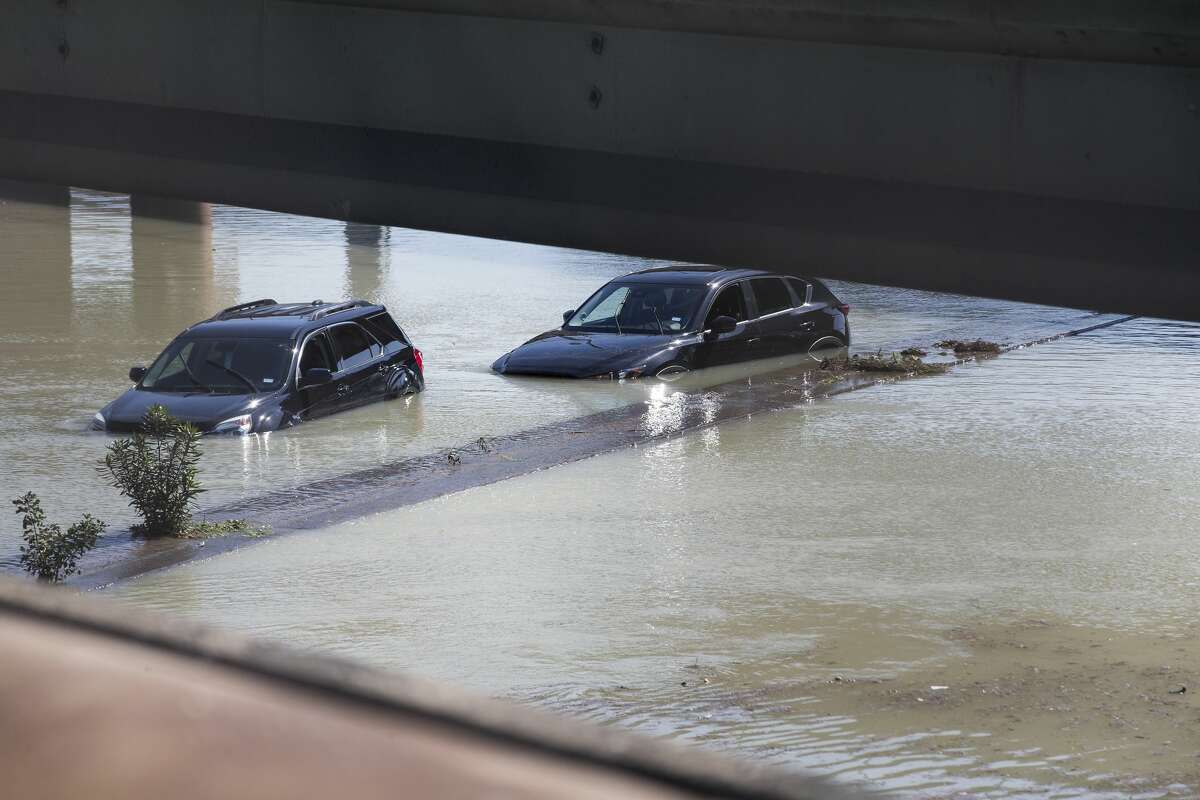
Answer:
(1035, 151)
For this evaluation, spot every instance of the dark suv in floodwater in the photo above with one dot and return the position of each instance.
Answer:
(264, 365)
(665, 322)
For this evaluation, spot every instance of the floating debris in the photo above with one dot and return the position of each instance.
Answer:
(225, 527)
(453, 458)
(914, 352)
(878, 362)
(966, 348)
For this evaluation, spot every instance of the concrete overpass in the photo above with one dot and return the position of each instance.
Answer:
(1032, 150)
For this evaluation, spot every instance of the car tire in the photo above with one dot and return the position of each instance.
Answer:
(830, 341)
(671, 372)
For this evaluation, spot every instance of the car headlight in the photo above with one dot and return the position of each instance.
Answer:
(98, 422)
(242, 424)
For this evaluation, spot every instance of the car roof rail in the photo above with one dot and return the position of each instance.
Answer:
(226, 312)
(336, 308)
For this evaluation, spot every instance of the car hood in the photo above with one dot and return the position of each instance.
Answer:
(580, 354)
(201, 409)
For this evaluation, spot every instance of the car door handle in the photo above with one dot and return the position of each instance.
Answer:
(806, 326)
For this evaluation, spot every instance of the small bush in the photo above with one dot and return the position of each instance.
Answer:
(156, 470)
(49, 553)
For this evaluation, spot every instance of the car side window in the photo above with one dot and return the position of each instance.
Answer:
(316, 354)
(771, 294)
(352, 345)
(729, 303)
(800, 289)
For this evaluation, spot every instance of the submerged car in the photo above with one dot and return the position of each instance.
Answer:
(263, 365)
(665, 322)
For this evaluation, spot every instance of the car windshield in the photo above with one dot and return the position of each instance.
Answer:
(639, 308)
(220, 366)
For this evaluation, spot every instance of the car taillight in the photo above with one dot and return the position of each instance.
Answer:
(845, 309)
(420, 360)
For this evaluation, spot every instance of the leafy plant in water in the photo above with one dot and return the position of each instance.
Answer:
(157, 470)
(48, 552)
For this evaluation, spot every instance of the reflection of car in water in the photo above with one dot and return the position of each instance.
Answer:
(263, 365)
(667, 321)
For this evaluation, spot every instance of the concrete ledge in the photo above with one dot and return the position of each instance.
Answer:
(100, 701)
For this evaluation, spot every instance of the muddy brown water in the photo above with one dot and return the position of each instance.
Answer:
(1030, 512)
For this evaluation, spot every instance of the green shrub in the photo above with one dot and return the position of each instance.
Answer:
(49, 553)
(156, 470)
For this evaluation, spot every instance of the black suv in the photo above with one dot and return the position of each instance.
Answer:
(667, 321)
(264, 365)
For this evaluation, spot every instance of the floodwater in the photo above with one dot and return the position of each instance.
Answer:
(875, 536)
(787, 587)
(88, 291)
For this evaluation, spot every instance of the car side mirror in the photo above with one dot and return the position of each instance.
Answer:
(722, 325)
(136, 374)
(567, 316)
(317, 376)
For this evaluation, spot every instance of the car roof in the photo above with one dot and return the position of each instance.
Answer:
(690, 274)
(268, 319)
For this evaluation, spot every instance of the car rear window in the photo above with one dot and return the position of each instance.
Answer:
(385, 328)
(771, 294)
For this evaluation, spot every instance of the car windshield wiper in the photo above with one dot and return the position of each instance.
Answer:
(191, 377)
(234, 373)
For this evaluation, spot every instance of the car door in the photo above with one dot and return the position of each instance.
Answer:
(813, 318)
(311, 402)
(359, 378)
(731, 300)
(786, 323)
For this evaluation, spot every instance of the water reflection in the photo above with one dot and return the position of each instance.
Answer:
(367, 257)
(173, 275)
(35, 270)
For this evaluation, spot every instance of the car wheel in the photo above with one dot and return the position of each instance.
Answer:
(672, 372)
(824, 347)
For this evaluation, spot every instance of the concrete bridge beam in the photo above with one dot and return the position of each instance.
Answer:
(31, 192)
(1038, 151)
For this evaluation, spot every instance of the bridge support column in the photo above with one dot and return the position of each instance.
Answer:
(27, 192)
(141, 205)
